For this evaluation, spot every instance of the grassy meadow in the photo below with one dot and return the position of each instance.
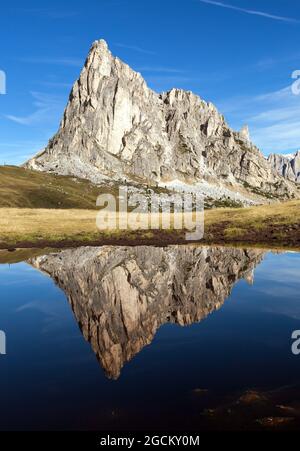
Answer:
(267, 225)
(38, 209)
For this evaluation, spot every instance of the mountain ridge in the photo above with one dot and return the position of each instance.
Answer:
(115, 128)
(287, 166)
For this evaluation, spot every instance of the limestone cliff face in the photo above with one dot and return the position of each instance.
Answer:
(115, 127)
(286, 165)
(122, 295)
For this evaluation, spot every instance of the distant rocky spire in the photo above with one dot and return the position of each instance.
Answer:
(287, 165)
(244, 132)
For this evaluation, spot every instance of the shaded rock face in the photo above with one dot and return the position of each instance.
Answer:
(122, 295)
(286, 165)
(115, 127)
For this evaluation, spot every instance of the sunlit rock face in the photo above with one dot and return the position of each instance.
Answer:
(287, 165)
(115, 127)
(122, 295)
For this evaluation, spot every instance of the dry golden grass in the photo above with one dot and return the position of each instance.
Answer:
(258, 217)
(24, 188)
(53, 225)
(26, 224)
(31, 225)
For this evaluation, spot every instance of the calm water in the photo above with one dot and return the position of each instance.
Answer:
(143, 338)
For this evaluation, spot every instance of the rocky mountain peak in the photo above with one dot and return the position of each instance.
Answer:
(101, 44)
(115, 127)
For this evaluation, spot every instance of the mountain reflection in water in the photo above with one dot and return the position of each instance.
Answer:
(122, 295)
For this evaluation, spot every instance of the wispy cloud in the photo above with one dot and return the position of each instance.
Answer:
(169, 82)
(53, 84)
(135, 48)
(47, 107)
(165, 82)
(273, 119)
(63, 61)
(16, 152)
(250, 11)
(52, 14)
(160, 69)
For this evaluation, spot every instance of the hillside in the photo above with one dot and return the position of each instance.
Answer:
(25, 188)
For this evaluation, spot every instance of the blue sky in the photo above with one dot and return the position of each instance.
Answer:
(239, 54)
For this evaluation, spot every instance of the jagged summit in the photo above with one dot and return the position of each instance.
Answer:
(115, 127)
(244, 132)
(101, 43)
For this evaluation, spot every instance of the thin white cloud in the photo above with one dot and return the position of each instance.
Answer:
(52, 14)
(169, 82)
(53, 84)
(64, 61)
(276, 114)
(31, 119)
(272, 96)
(160, 69)
(16, 152)
(273, 119)
(47, 107)
(135, 48)
(269, 62)
(250, 11)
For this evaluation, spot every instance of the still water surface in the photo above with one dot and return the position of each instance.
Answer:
(181, 337)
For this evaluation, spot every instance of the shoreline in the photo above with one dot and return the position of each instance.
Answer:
(274, 226)
(158, 239)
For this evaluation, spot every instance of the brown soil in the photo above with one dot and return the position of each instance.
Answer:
(273, 237)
